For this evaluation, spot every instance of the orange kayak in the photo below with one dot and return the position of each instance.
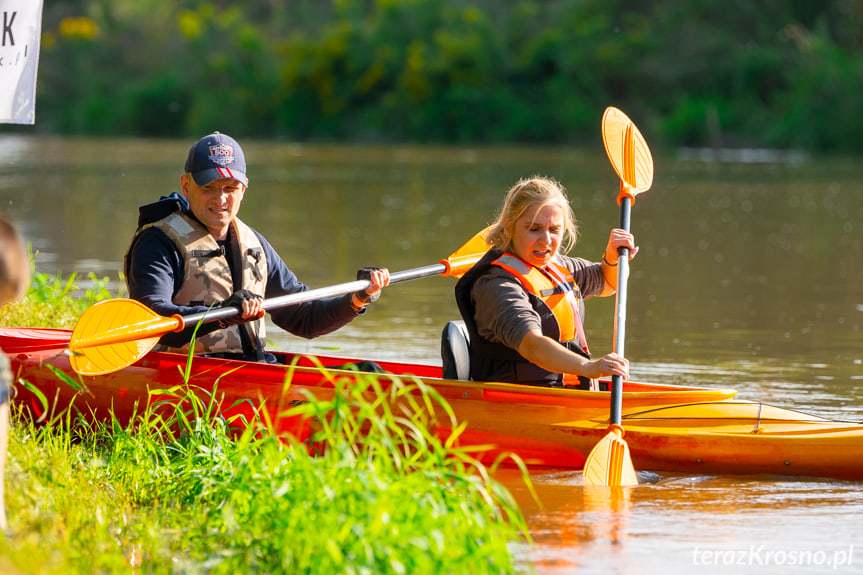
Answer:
(668, 428)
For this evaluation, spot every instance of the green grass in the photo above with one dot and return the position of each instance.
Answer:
(53, 300)
(180, 492)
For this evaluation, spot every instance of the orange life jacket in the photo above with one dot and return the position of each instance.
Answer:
(556, 287)
(496, 361)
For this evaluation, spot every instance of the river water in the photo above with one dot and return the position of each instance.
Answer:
(748, 276)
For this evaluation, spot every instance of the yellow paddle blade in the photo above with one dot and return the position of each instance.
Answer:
(466, 256)
(627, 150)
(115, 332)
(609, 463)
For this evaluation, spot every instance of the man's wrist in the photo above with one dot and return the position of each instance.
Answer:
(357, 303)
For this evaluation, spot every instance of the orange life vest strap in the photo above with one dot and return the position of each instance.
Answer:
(556, 287)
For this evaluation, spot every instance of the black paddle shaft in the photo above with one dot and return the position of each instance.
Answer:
(620, 312)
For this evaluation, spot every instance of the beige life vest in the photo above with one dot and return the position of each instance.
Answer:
(207, 278)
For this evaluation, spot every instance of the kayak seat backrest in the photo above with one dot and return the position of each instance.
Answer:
(455, 351)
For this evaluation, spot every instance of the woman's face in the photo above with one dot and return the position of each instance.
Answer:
(537, 234)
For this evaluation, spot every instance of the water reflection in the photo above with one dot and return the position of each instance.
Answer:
(674, 523)
(571, 521)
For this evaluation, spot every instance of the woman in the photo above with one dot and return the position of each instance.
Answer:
(523, 301)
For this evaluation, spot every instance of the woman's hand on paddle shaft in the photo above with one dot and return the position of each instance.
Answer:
(617, 239)
(551, 356)
(608, 365)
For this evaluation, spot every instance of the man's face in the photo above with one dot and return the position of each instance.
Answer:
(216, 204)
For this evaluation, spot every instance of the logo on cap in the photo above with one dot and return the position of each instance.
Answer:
(221, 154)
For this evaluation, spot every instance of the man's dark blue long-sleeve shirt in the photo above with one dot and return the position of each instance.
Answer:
(154, 274)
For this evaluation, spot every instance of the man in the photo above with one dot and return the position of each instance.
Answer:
(191, 252)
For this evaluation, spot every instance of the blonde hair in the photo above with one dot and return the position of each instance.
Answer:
(537, 191)
(14, 264)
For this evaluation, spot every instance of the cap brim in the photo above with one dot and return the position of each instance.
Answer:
(204, 177)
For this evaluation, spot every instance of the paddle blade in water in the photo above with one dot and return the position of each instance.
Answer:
(115, 332)
(627, 150)
(609, 462)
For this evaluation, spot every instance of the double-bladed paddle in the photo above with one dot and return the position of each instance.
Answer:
(116, 333)
(609, 462)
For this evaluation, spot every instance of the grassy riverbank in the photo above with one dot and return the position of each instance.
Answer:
(180, 494)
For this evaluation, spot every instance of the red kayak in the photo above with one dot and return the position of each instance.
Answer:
(673, 428)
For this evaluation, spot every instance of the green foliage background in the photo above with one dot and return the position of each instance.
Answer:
(771, 73)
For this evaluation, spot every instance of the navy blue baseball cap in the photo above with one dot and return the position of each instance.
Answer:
(215, 157)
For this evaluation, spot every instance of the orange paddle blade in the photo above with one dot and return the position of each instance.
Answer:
(627, 150)
(116, 332)
(609, 462)
(460, 261)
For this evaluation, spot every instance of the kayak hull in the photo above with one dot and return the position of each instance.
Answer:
(735, 437)
(667, 428)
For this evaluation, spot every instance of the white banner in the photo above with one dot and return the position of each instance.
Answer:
(20, 33)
